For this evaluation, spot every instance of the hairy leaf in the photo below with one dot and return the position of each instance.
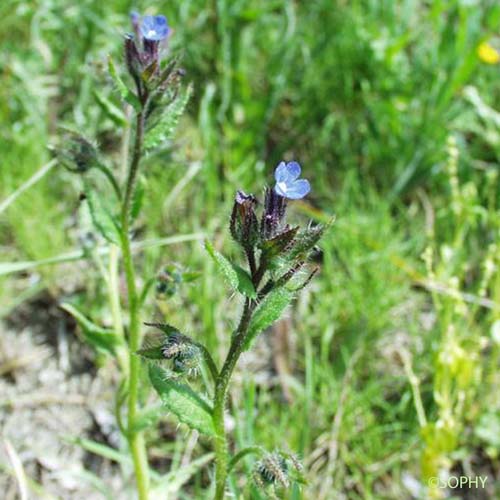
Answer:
(165, 128)
(112, 112)
(181, 400)
(125, 92)
(305, 241)
(101, 216)
(275, 246)
(268, 311)
(236, 277)
(224, 266)
(245, 285)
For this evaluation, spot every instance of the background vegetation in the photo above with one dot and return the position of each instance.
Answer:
(386, 373)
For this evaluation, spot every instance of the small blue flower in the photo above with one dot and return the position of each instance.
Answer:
(154, 28)
(288, 183)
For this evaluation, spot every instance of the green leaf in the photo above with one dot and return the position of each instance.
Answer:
(275, 246)
(101, 216)
(165, 328)
(112, 112)
(245, 284)
(137, 200)
(165, 128)
(149, 71)
(225, 267)
(268, 311)
(189, 277)
(101, 450)
(237, 278)
(306, 240)
(125, 92)
(101, 338)
(170, 484)
(181, 400)
(152, 352)
(148, 417)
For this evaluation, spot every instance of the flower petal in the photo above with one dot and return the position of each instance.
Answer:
(154, 28)
(281, 174)
(293, 169)
(297, 189)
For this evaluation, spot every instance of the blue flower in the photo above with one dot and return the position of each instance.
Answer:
(154, 28)
(288, 183)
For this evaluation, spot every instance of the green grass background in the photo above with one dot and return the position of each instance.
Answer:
(365, 95)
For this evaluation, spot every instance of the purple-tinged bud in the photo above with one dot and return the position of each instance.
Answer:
(244, 226)
(151, 51)
(135, 20)
(273, 218)
(132, 57)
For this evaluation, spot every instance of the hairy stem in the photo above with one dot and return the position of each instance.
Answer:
(116, 311)
(135, 438)
(221, 444)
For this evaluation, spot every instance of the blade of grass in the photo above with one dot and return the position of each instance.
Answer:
(26, 185)
(14, 267)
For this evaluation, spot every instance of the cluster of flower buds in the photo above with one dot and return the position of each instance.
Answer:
(170, 279)
(77, 153)
(279, 244)
(277, 469)
(173, 346)
(143, 51)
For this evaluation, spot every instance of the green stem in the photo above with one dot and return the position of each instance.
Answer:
(135, 438)
(257, 450)
(116, 310)
(220, 442)
(111, 178)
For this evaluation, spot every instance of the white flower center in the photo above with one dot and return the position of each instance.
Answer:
(282, 186)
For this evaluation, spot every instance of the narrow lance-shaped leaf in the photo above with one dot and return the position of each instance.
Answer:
(101, 217)
(101, 338)
(236, 277)
(152, 347)
(268, 311)
(112, 112)
(182, 401)
(245, 285)
(305, 241)
(224, 266)
(126, 94)
(172, 482)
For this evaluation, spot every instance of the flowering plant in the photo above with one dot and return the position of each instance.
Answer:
(275, 253)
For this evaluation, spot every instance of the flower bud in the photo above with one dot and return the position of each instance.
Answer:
(273, 218)
(172, 346)
(244, 226)
(132, 57)
(78, 154)
(277, 469)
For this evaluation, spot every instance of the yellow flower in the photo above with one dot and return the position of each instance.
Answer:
(488, 54)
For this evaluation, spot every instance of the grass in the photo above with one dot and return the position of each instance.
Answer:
(365, 95)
